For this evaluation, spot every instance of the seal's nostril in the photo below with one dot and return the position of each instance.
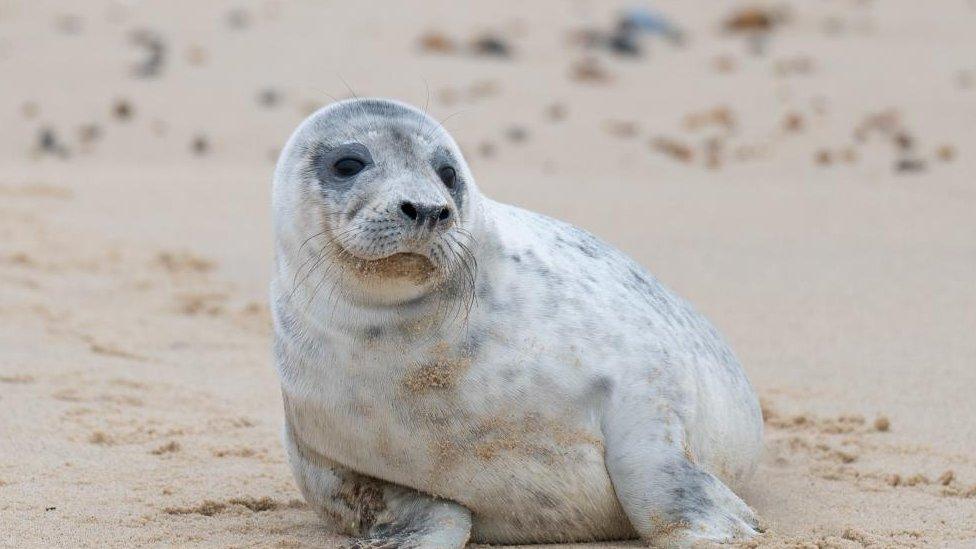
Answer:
(445, 213)
(409, 210)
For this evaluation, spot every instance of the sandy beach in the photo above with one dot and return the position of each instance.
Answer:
(803, 172)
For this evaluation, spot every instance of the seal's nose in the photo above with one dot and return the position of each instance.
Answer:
(425, 214)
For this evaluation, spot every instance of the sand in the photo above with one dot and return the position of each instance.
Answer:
(809, 186)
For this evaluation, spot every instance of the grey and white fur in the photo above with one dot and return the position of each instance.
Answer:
(458, 369)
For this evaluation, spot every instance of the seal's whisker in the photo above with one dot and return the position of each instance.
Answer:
(338, 254)
(318, 259)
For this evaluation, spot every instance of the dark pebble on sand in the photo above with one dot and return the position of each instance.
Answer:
(516, 134)
(122, 110)
(824, 157)
(48, 143)
(793, 122)
(200, 145)
(903, 140)
(624, 43)
(491, 46)
(909, 165)
(269, 98)
(155, 51)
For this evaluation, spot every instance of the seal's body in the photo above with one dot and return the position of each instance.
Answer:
(453, 367)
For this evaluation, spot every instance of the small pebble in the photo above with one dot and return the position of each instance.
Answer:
(269, 98)
(903, 140)
(793, 122)
(122, 109)
(155, 49)
(588, 70)
(48, 142)
(490, 45)
(516, 134)
(200, 145)
(946, 153)
(624, 43)
(882, 424)
(905, 165)
(752, 19)
(675, 149)
(434, 42)
(30, 110)
(556, 112)
(823, 157)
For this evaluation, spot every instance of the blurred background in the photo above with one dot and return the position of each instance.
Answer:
(801, 171)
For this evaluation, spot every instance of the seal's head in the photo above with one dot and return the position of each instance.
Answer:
(375, 196)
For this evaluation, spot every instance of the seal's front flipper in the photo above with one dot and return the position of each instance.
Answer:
(414, 520)
(670, 501)
(381, 515)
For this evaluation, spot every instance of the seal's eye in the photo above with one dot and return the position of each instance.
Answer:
(348, 167)
(448, 176)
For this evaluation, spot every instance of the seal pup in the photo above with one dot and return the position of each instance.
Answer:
(458, 369)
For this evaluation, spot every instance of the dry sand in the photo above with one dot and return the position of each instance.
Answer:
(812, 192)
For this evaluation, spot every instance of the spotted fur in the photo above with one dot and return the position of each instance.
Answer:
(532, 384)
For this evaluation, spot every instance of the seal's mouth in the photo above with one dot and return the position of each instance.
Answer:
(413, 267)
